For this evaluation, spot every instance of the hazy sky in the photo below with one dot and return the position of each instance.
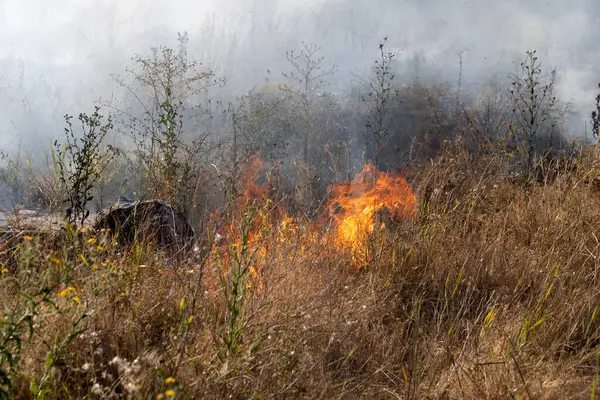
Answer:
(56, 55)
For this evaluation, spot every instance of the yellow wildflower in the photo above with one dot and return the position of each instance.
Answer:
(91, 240)
(68, 290)
(76, 299)
(170, 393)
(4, 271)
(27, 238)
(170, 380)
(54, 260)
(99, 248)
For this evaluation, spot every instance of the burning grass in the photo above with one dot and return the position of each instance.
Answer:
(371, 192)
(475, 288)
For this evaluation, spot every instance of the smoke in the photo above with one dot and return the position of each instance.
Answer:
(56, 56)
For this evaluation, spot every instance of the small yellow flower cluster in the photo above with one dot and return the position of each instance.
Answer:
(3, 271)
(105, 264)
(169, 393)
(27, 238)
(54, 260)
(70, 292)
(94, 241)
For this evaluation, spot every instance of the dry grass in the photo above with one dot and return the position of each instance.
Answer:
(491, 292)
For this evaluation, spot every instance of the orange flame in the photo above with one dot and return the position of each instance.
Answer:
(355, 205)
(265, 216)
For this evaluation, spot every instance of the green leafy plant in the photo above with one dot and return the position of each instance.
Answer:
(81, 163)
(234, 284)
(42, 387)
(17, 325)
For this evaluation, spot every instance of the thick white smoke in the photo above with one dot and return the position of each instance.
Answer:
(56, 55)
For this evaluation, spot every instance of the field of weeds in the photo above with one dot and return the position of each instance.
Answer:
(399, 241)
(481, 287)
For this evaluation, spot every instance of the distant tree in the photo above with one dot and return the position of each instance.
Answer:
(164, 86)
(306, 79)
(378, 101)
(533, 102)
(251, 133)
(596, 118)
(491, 112)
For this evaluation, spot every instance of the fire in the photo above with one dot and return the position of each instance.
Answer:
(355, 209)
(251, 223)
(355, 205)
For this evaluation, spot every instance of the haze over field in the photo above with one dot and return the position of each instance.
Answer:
(56, 56)
(299, 199)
